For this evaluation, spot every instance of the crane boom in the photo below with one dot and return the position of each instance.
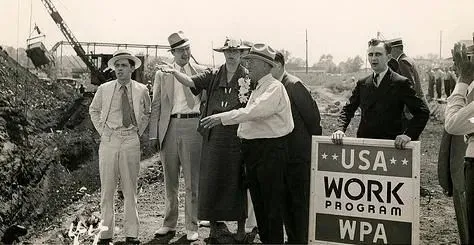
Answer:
(57, 18)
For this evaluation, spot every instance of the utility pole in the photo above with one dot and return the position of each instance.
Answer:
(306, 51)
(212, 48)
(440, 44)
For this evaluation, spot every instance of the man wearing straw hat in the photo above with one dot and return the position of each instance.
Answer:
(174, 118)
(120, 112)
(264, 124)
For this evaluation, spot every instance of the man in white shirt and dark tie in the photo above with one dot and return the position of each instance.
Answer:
(381, 97)
(263, 126)
(120, 111)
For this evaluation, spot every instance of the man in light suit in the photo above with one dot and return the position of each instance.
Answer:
(297, 173)
(173, 131)
(120, 112)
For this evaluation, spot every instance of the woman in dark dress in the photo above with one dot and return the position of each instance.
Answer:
(222, 195)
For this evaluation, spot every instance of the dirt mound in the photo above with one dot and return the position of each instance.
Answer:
(41, 133)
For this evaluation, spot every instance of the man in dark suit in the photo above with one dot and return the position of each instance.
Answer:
(297, 173)
(406, 65)
(381, 96)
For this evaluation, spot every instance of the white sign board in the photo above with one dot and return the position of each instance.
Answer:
(364, 192)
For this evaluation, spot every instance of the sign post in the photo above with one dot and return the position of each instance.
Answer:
(364, 192)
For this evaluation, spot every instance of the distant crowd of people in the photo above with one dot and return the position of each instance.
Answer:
(241, 134)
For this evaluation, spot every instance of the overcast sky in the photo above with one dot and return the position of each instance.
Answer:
(339, 27)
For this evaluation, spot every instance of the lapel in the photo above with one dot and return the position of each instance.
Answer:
(383, 88)
(135, 98)
(168, 84)
(401, 57)
(108, 93)
(193, 70)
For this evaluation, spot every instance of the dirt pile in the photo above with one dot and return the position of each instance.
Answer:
(42, 133)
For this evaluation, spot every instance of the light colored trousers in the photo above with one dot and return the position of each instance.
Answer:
(181, 148)
(119, 155)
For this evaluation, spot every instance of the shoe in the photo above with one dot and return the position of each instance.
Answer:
(204, 223)
(132, 240)
(192, 235)
(249, 229)
(107, 241)
(164, 230)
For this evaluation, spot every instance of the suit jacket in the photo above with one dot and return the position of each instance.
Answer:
(407, 68)
(382, 108)
(100, 105)
(306, 118)
(162, 104)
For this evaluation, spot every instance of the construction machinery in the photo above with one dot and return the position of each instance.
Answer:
(36, 50)
(96, 63)
(97, 77)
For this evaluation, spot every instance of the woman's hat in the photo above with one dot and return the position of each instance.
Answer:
(262, 52)
(123, 54)
(231, 43)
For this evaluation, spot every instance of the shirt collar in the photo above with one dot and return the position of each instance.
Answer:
(282, 75)
(186, 67)
(265, 79)
(398, 58)
(126, 84)
(382, 74)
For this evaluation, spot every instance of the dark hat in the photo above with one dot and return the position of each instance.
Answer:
(232, 43)
(178, 40)
(395, 42)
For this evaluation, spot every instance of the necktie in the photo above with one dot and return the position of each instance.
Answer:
(376, 79)
(127, 112)
(187, 93)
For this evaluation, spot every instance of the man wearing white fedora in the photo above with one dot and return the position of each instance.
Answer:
(264, 124)
(120, 112)
(174, 118)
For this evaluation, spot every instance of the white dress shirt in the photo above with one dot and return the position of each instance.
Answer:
(180, 106)
(267, 114)
(380, 77)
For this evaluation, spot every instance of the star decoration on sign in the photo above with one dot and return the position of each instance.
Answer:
(334, 156)
(393, 161)
(405, 161)
(324, 155)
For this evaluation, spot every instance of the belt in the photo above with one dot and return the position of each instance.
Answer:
(191, 115)
(108, 131)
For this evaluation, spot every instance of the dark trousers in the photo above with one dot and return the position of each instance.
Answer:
(431, 84)
(469, 184)
(438, 88)
(296, 201)
(449, 87)
(264, 160)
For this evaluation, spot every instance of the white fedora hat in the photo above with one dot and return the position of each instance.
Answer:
(262, 52)
(178, 40)
(123, 54)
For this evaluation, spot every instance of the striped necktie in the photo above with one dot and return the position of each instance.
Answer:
(187, 93)
(128, 116)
